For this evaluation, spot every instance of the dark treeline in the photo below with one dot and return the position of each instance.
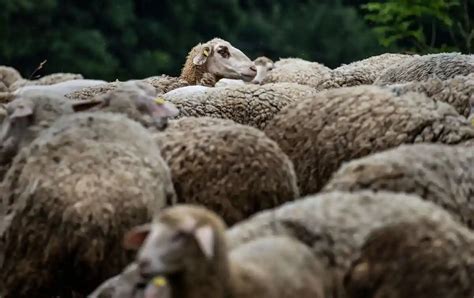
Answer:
(122, 39)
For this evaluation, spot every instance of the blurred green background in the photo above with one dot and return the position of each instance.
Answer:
(123, 39)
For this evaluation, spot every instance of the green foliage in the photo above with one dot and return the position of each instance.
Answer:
(123, 39)
(422, 25)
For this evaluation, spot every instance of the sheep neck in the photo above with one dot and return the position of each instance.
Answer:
(198, 75)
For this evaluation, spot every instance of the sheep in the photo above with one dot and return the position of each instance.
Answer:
(458, 91)
(9, 75)
(263, 65)
(161, 83)
(73, 192)
(337, 125)
(295, 70)
(421, 68)
(23, 119)
(253, 105)
(46, 80)
(423, 259)
(334, 225)
(186, 244)
(438, 173)
(216, 59)
(363, 72)
(232, 169)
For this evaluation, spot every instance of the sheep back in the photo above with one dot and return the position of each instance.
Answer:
(338, 125)
(69, 197)
(232, 169)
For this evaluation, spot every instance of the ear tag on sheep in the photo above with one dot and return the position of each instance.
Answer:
(159, 281)
(206, 52)
(159, 100)
(205, 239)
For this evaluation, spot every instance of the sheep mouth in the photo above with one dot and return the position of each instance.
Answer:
(248, 76)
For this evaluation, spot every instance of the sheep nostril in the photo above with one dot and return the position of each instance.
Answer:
(253, 68)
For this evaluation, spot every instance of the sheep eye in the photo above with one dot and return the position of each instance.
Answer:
(224, 52)
(178, 236)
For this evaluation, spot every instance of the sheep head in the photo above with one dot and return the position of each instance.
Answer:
(138, 100)
(220, 59)
(180, 240)
(264, 65)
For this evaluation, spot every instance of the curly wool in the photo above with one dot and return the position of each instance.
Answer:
(421, 68)
(363, 72)
(458, 92)
(295, 70)
(9, 75)
(334, 225)
(423, 259)
(438, 173)
(320, 133)
(232, 169)
(252, 105)
(73, 193)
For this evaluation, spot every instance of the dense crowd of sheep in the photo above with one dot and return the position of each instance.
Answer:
(241, 178)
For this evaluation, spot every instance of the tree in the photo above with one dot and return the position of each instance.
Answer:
(423, 25)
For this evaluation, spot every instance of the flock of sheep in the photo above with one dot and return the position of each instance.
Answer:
(352, 182)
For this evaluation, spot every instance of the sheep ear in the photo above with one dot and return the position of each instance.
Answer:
(164, 109)
(22, 111)
(134, 238)
(205, 238)
(201, 58)
(82, 105)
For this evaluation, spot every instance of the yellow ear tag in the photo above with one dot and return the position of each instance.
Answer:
(159, 281)
(472, 121)
(159, 100)
(206, 52)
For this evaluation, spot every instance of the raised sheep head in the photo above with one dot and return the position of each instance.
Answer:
(225, 61)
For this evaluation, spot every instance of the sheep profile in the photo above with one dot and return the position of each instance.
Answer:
(423, 259)
(73, 192)
(216, 59)
(186, 244)
(335, 225)
(421, 68)
(338, 125)
(296, 70)
(438, 173)
(253, 105)
(232, 169)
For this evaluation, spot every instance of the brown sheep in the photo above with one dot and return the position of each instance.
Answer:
(235, 170)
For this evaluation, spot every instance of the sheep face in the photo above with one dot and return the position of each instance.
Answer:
(264, 65)
(171, 245)
(225, 61)
(15, 119)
